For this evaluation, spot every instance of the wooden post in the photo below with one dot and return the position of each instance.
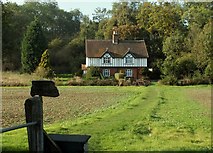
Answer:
(34, 113)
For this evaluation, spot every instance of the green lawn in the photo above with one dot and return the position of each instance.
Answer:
(154, 118)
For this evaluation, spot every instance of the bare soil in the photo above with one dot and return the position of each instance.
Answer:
(72, 102)
(202, 96)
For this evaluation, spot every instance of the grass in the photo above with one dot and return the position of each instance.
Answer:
(154, 118)
(17, 79)
(11, 79)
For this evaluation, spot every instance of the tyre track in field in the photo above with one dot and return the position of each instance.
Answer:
(119, 125)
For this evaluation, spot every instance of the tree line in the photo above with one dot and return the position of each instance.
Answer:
(177, 35)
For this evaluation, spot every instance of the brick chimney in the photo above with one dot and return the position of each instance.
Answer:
(115, 37)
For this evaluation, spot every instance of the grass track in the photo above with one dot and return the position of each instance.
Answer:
(151, 118)
(155, 119)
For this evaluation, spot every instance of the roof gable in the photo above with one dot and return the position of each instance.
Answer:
(97, 48)
(129, 52)
(107, 52)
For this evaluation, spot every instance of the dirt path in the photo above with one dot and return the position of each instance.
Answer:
(202, 96)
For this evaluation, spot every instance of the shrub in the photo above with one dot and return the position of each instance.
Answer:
(96, 82)
(185, 66)
(125, 82)
(44, 69)
(185, 81)
(169, 80)
(121, 82)
(92, 72)
(107, 82)
(142, 82)
(119, 76)
(44, 72)
(145, 72)
(76, 81)
(90, 83)
(197, 81)
(209, 71)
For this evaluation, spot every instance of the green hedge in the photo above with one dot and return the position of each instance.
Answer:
(97, 82)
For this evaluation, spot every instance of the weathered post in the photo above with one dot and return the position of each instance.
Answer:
(34, 113)
(39, 141)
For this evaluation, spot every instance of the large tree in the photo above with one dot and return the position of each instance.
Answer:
(56, 23)
(33, 45)
(13, 26)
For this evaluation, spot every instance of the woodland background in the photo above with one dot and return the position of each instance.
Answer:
(177, 35)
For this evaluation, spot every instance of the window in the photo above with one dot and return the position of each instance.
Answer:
(129, 59)
(106, 72)
(106, 60)
(129, 73)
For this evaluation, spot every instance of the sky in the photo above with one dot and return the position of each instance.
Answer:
(87, 7)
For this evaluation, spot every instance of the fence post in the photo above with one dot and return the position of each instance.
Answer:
(34, 113)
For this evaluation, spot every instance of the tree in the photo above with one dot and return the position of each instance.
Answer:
(13, 26)
(44, 69)
(33, 45)
(202, 46)
(100, 14)
(173, 48)
(101, 29)
(124, 17)
(197, 14)
(57, 23)
(185, 66)
(209, 71)
(87, 28)
(160, 19)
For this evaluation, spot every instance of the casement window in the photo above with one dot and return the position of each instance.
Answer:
(129, 59)
(128, 72)
(107, 59)
(106, 72)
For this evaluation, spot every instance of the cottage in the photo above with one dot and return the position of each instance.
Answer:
(112, 56)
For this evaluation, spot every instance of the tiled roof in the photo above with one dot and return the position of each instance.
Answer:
(96, 48)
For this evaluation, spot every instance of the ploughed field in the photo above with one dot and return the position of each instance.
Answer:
(154, 118)
(72, 102)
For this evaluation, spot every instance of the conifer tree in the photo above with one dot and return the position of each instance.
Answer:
(33, 45)
(44, 69)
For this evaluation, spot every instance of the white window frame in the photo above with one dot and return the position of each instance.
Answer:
(129, 59)
(106, 72)
(129, 73)
(107, 59)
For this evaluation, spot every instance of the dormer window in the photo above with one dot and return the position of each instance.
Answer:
(106, 59)
(129, 59)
